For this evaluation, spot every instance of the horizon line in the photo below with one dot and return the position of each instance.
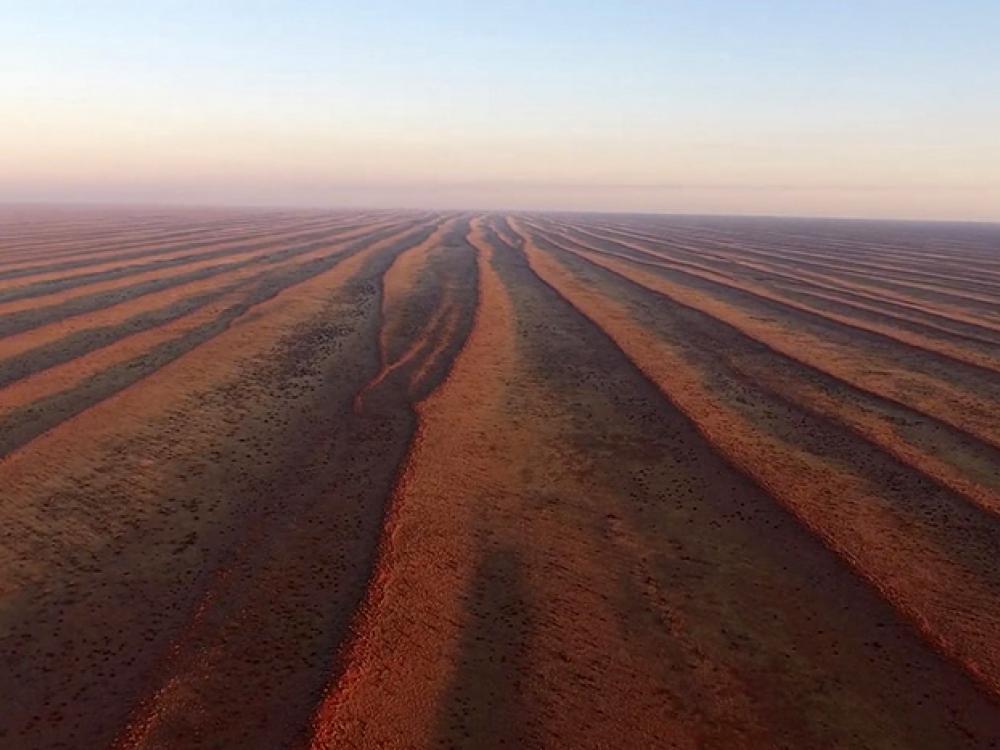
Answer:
(263, 206)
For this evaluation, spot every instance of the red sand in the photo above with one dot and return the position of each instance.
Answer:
(487, 481)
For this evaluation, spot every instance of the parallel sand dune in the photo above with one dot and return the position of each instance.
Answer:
(301, 479)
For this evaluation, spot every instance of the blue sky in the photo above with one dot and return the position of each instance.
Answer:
(852, 108)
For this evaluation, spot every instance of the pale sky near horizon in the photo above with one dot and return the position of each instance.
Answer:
(881, 108)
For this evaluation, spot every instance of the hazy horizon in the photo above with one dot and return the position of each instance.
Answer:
(207, 206)
(886, 110)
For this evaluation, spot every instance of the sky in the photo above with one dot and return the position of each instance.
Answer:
(868, 108)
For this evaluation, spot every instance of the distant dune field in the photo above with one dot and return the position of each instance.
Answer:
(380, 479)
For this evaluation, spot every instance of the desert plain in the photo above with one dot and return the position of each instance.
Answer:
(385, 479)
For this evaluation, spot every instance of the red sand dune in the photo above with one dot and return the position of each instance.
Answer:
(303, 479)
